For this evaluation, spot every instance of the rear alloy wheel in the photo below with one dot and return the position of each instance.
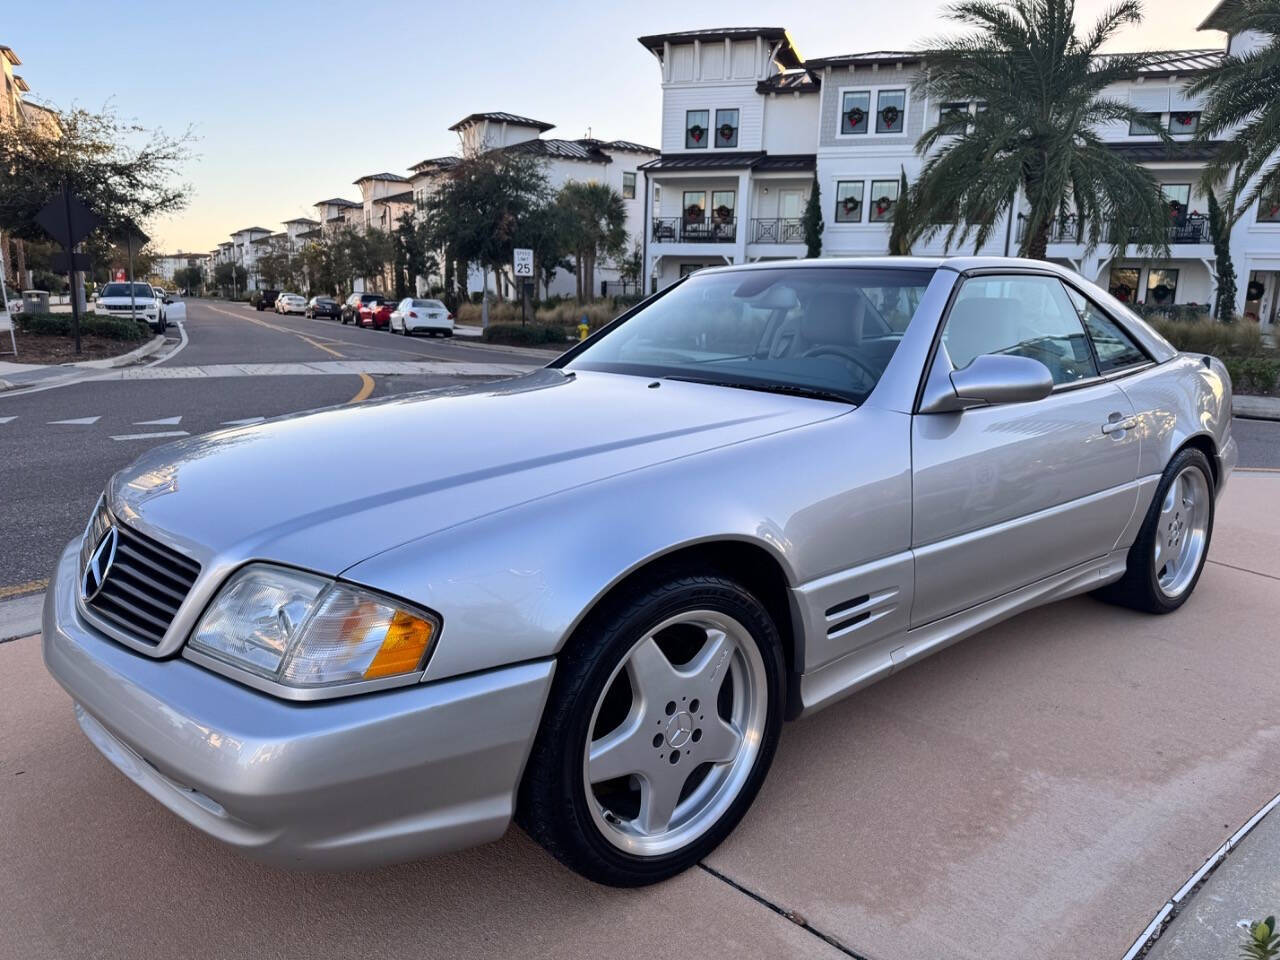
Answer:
(1166, 559)
(660, 729)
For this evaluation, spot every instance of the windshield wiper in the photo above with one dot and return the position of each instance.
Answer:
(790, 389)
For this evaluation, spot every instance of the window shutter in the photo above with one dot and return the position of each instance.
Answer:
(1150, 99)
(1180, 101)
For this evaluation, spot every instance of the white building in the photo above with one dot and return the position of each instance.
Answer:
(169, 264)
(336, 212)
(748, 126)
(244, 252)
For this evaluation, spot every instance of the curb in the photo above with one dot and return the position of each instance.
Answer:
(1255, 408)
(21, 617)
(62, 374)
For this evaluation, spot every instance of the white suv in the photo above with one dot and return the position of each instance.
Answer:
(117, 300)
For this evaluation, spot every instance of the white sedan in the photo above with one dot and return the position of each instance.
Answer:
(290, 303)
(431, 316)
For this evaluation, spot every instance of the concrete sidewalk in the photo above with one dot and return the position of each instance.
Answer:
(1039, 790)
(18, 376)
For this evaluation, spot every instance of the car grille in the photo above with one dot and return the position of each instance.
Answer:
(144, 586)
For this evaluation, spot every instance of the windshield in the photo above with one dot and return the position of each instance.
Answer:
(823, 331)
(428, 304)
(122, 290)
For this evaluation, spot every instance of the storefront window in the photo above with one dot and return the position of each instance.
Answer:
(1162, 286)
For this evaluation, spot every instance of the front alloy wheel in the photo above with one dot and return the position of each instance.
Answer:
(659, 730)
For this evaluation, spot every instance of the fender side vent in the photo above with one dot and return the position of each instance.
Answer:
(848, 605)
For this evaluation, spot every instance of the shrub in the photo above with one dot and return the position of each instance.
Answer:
(529, 333)
(563, 313)
(1183, 312)
(59, 325)
(1257, 374)
(1208, 336)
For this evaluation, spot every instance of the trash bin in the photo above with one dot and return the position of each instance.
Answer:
(35, 301)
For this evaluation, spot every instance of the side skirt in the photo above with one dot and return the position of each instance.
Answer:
(862, 668)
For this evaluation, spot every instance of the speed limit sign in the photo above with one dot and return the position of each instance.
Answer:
(523, 263)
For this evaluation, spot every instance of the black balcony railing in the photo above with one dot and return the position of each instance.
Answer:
(777, 230)
(1192, 228)
(695, 229)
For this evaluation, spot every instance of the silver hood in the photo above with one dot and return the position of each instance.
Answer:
(327, 489)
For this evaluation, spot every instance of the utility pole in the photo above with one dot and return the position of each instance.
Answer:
(71, 266)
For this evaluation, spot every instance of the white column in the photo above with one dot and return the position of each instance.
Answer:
(743, 215)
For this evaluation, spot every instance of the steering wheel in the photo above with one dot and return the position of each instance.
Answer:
(865, 368)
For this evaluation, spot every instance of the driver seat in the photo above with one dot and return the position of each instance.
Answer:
(830, 319)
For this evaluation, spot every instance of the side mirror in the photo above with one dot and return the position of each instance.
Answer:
(990, 378)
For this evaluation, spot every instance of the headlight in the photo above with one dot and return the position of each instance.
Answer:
(305, 631)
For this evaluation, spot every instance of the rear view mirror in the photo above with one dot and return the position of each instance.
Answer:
(990, 378)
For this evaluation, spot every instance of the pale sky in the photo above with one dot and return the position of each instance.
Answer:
(292, 100)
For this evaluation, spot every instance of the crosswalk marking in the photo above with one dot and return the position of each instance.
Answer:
(7, 419)
(150, 436)
(241, 423)
(165, 422)
(81, 421)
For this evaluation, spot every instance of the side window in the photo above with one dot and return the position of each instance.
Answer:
(1114, 347)
(1025, 316)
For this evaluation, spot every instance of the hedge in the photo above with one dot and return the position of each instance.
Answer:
(91, 324)
(531, 333)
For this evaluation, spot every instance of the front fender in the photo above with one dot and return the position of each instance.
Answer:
(513, 585)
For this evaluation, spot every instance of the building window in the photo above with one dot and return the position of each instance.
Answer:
(849, 201)
(695, 206)
(657, 195)
(1269, 205)
(954, 118)
(723, 206)
(628, 186)
(1145, 125)
(1184, 122)
(688, 268)
(1162, 286)
(891, 111)
(695, 129)
(855, 106)
(726, 128)
(1124, 284)
(1177, 196)
(884, 199)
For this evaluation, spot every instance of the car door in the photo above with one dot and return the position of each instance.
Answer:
(1007, 494)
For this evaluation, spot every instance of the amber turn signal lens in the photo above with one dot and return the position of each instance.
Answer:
(403, 648)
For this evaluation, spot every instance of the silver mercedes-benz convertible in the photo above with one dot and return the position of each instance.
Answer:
(588, 597)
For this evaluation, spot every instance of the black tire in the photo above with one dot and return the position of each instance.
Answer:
(553, 804)
(448, 333)
(1139, 588)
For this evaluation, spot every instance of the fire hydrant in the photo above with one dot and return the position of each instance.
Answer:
(584, 328)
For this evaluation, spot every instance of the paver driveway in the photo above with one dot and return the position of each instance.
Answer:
(1038, 790)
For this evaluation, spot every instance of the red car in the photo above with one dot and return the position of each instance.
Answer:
(374, 311)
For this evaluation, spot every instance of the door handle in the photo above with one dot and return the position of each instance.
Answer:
(1119, 422)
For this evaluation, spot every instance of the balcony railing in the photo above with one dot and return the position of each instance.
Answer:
(695, 230)
(1193, 228)
(777, 230)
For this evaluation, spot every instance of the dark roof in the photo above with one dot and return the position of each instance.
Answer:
(1164, 63)
(587, 150)
(1156, 152)
(511, 118)
(308, 234)
(865, 59)
(394, 177)
(737, 160)
(790, 81)
(627, 146)
(337, 202)
(1151, 62)
(1216, 20)
(406, 197)
(10, 55)
(788, 55)
(251, 230)
(301, 220)
(436, 163)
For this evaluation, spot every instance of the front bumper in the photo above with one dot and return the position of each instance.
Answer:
(370, 779)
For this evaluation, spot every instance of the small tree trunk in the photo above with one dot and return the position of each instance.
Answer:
(1038, 243)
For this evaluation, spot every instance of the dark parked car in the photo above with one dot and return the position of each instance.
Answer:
(323, 307)
(352, 306)
(262, 299)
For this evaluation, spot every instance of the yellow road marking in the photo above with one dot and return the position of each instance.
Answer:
(272, 326)
(366, 388)
(31, 586)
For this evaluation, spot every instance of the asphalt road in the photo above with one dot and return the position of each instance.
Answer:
(51, 473)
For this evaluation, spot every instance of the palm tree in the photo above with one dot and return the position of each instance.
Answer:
(1039, 95)
(1242, 98)
(595, 224)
